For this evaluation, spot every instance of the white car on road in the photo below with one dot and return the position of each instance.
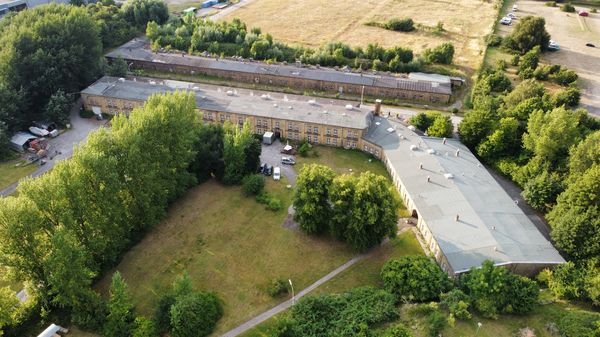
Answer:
(277, 173)
(506, 21)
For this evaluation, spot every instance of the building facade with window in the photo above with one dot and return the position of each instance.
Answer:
(297, 118)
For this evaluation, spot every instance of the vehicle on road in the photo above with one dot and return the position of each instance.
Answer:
(511, 15)
(583, 13)
(515, 8)
(590, 45)
(288, 161)
(506, 21)
(261, 168)
(268, 170)
(277, 173)
(553, 46)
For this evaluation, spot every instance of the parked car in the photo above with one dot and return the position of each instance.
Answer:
(288, 161)
(261, 168)
(48, 126)
(515, 8)
(268, 170)
(553, 46)
(590, 45)
(506, 21)
(38, 132)
(511, 15)
(277, 173)
(584, 13)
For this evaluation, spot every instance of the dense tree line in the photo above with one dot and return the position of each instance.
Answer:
(51, 52)
(548, 149)
(65, 227)
(197, 35)
(433, 123)
(360, 210)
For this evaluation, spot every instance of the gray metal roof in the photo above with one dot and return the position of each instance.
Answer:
(21, 137)
(137, 49)
(491, 225)
(240, 101)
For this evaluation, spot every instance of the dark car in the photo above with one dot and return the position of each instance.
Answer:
(261, 168)
(268, 170)
(590, 45)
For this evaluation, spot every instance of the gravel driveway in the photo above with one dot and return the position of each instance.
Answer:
(271, 155)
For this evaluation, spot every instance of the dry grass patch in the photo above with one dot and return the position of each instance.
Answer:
(315, 22)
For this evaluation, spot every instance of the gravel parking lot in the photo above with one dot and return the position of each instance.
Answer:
(572, 32)
(271, 155)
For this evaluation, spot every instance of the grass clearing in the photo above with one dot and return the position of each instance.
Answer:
(315, 22)
(11, 173)
(230, 245)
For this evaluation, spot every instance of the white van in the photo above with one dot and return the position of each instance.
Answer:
(276, 173)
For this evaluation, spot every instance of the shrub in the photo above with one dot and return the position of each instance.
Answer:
(304, 149)
(457, 302)
(401, 25)
(567, 8)
(436, 322)
(414, 278)
(275, 205)
(494, 40)
(569, 97)
(397, 331)
(278, 287)
(593, 10)
(579, 323)
(551, 4)
(514, 61)
(442, 54)
(272, 203)
(564, 77)
(253, 184)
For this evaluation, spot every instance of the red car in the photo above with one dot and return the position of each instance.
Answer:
(583, 13)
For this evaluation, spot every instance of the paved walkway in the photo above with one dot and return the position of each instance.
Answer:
(287, 304)
(64, 144)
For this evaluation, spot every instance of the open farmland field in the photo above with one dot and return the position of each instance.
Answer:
(316, 22)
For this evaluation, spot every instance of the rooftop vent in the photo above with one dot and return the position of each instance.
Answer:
(344, 114)
(421, 166)
(428, 179)
(312, 102)
(121, 79)
(457, 152)
(377, 123)
(285, 98)
(229, 92)
(390, 130)
(349, 106)
(457, 217)
(413, 147)
(275, 105)
(152, 82)
(290, 107)
(265, 97)
(411, 128)
(431, 151)
(448, 176)
(444, 141)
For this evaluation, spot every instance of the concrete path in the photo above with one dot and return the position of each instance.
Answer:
(64, 144)
(287, 304)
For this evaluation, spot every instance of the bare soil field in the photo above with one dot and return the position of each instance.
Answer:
(572, 32)
(315, 22)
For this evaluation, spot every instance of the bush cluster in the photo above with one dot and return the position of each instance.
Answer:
(400, 25)
(274, 204)
(568, 7)
(278, 287)
(414, 278)
(253, 184)
(434, 123)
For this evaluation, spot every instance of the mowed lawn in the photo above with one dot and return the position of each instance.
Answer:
(230, 245)
(315, 22)
(10, 173)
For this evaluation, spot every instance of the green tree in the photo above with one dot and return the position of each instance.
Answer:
(117, 68)
(476, 126)
(58, 109)
(253, 184)
(529, 63)
(120, 319)
(443, 54)
(584, 155)
(457, 302)
(442, 127)
(569, 97)
(525, 90)
(241, 153)
(575, 220)
(541, 191)
(114, 29)
(46, 49)
(140, 12)
(529, 32)
(11, 113)
(4, 141)
(564, 77)
(195, 315)
(364, 210)
(8, 305)
(421, 121)
(505, 140)
(144, 328)
(311, 199)
(209, 158)
(414, 278)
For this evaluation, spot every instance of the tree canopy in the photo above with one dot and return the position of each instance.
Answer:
(415, 278)
(311, 199)
(529, 32)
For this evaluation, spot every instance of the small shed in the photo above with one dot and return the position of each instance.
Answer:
(268, 138)
(20, 141)
(53, 330)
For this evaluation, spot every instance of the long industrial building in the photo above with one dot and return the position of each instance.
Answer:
(464, 215)
(413, 88)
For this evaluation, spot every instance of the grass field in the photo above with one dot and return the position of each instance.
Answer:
(234, 247)
(10, 173)
(315, 22)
